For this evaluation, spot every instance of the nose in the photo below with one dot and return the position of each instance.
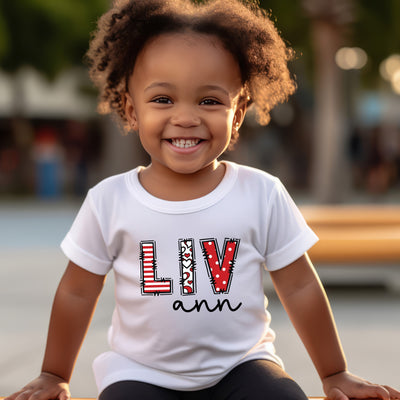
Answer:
(185, 116)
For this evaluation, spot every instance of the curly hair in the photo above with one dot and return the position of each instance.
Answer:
(243, 28)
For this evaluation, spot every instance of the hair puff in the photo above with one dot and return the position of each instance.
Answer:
(242, 26)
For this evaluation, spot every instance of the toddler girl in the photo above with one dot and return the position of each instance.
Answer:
(188, 235)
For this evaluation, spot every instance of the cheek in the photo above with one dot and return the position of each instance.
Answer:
(150, 123)
(229, 117)
(223, 123)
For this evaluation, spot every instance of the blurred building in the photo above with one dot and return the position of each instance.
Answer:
(49, 134)
(53, 143)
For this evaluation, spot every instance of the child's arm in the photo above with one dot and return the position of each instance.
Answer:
(305, 301)
(73, 307)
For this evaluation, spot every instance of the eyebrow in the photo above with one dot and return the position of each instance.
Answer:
(159, 84)
(217, 88)
(171, 86)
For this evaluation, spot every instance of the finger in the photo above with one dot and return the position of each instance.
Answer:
(336, 394)
(27, 395)
(49, 394)
(40, 395)
(23, 394)
(377, 391)
(394, 394)
(13, 396)
(64, 395)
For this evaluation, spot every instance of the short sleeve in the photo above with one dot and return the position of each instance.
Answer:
(84, 244)
(289, 236)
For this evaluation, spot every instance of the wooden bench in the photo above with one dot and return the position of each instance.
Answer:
(355, 233)
(79, 398)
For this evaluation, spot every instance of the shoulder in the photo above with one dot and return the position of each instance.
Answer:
(114, 183)
(111, 190)
(255, 179)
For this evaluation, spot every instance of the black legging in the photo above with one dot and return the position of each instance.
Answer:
(252, 380)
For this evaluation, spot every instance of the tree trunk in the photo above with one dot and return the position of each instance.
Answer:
(120, 152)
(328, 169)
(22, 133)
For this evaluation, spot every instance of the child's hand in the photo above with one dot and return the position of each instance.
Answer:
(45, 387)
(345, 386)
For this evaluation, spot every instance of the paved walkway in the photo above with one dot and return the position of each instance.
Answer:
(31, 265)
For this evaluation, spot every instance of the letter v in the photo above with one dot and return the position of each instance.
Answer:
(220, 269)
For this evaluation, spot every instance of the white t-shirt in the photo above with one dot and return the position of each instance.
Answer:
(190, 304)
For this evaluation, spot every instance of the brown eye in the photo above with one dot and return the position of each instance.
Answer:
(210, 102)
(162, 100)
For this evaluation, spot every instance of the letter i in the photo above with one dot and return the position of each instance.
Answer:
(187, 266)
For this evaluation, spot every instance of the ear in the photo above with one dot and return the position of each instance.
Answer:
(240, 113)
(130, 112)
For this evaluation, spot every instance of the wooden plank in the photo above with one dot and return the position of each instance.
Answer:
(357, 245)
(355, 233)
(372, 215)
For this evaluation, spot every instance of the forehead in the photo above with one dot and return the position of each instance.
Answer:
(192, 56)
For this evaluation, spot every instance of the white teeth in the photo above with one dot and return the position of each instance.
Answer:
(185, 143)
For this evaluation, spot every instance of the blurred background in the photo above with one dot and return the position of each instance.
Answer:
(337, 141)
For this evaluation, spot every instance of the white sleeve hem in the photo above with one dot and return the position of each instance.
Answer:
(292, 251)
(82, 258)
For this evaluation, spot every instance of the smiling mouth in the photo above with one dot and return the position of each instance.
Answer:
(184, 143)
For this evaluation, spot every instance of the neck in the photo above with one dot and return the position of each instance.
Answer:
(180, 187)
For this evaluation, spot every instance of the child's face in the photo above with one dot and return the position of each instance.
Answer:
(183, 100)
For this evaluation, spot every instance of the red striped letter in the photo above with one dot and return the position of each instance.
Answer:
(150, 284)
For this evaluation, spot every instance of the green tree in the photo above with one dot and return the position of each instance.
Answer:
(376, 29)
(373, 26)
(317, 29)
(50, 36)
